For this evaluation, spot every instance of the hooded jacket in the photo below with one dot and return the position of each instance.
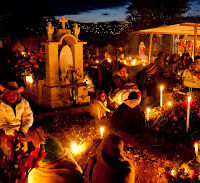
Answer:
(109, 165)
(11, 118)
(63, 169)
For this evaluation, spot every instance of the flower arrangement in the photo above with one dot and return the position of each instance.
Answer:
(73, 74)
(185, 46)
(171, 120)
(18, 158)
(30, 63)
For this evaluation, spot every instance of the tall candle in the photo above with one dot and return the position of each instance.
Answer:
(148, 111)
(196, 148)
(161, 95)
(188, 114)
(101, 131)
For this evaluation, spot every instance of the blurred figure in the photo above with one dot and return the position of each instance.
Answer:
(109, 164)
(57, 166)
(98, 108)
(147, 80)
(129, 116)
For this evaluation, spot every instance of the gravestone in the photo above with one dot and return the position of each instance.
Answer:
(61, 53)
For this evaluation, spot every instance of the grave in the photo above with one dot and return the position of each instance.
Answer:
(63, 84)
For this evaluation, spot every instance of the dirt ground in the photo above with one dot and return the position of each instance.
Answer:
(74, 124)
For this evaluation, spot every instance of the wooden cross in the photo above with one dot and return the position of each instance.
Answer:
(63, 21)
(195, 34)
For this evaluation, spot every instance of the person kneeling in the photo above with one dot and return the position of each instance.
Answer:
(57, 166)
(129, 116)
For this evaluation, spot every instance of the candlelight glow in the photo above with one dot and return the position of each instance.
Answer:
(77, 149)
(148, 111)
(29, 79)
(133, 62)
(169, 103)
(161, 87)
(23, 53)
(97, 61)
(196, 147)
(125, 62)
(102, 131)
(109, 60)
(143, 64)
(173, 172)
(189, 98)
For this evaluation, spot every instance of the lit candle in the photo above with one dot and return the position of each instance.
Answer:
(29, 79)
(196, 148)
(161, 95)
(188, 114)
(101, 131)
(148, 111)
(169, 104)
(173, 173)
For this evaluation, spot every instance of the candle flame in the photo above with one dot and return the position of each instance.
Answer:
(148, 110)
(196, 147)
(161, 87)
(29, 79)
(77, 149)
(189, 98)
(173, 172)
(97, 61)
(169, 103)
(102, 131)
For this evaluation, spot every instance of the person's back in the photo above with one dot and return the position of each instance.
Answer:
(109, 164)
(56, 167)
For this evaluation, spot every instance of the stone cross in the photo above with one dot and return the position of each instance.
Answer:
(63, 21)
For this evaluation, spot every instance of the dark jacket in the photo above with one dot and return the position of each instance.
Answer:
(128, 119)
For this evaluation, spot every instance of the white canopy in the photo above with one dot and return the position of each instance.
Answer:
(181, 29)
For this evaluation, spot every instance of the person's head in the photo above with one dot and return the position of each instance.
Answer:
(11, 92)
(151, 69)
(135, 96)
(122, 70)
(112, 145)
(197, 59)
(101, 95)
(161, 55)
(53, 148)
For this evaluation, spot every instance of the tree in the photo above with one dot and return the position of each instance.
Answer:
(145, 13)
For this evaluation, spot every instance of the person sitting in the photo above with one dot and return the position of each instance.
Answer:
(57, 166)
(129, 116)
(15, 111)
(109, 165)
(98, 108)
(121, 78)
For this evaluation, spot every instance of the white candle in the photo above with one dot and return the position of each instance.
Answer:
(196, 148)
(101, 131)
(148, 111)
(161, 95)
(188, 114)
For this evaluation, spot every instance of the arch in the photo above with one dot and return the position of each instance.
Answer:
(69, 38)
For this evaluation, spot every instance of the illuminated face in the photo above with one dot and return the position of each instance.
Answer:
(123, 71)
(103, 97)
(11, 96)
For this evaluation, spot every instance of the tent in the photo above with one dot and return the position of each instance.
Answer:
(176, 29)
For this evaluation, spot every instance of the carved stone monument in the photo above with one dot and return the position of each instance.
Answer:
(76, 30)
(50, 30)
(66, 51)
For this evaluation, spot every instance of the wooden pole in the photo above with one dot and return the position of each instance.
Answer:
(195, 40)
(150, 46)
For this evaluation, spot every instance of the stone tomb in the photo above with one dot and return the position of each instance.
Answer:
(62, 52)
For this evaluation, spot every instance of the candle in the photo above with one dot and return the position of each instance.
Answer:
(101, 131)
(173, 172)
(196, 148)
(29, 79)
(77, 149)
(188, 114)
(161, 95)
(169, 104)
(148, 111)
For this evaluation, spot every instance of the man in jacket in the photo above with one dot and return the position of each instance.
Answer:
(15, 111)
